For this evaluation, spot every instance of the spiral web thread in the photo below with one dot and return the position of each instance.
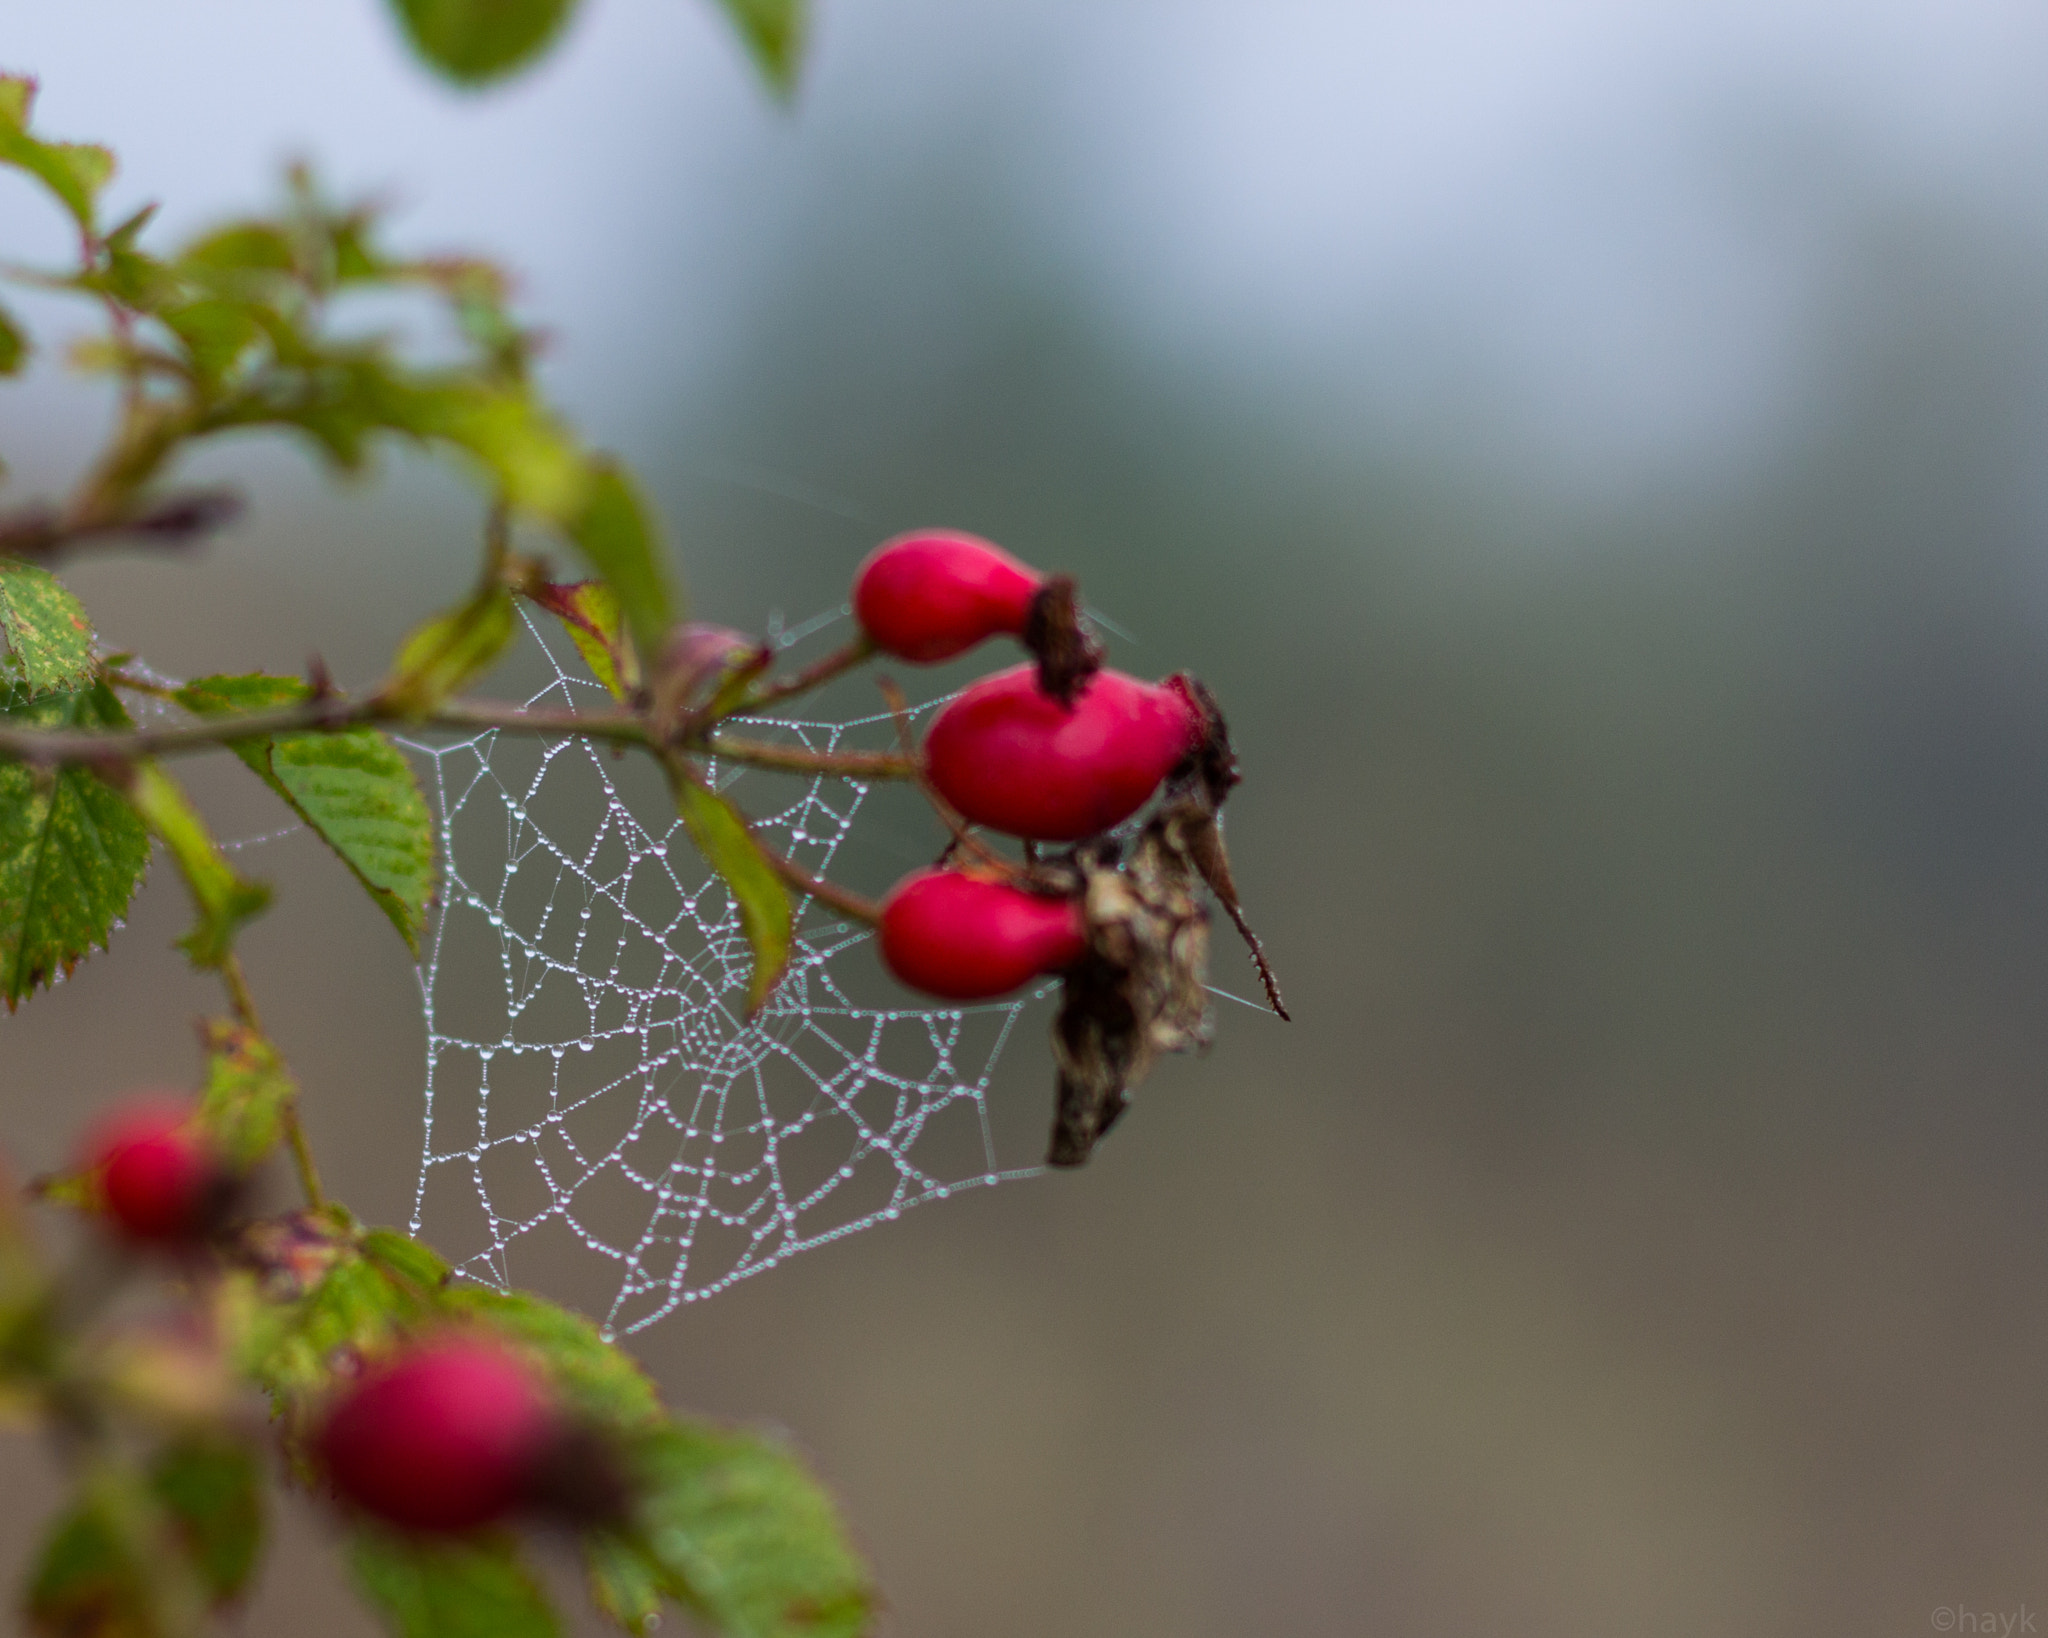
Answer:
(598, 1105)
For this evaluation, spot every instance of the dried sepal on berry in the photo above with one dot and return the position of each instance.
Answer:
(1067, 651)
(1141, 989)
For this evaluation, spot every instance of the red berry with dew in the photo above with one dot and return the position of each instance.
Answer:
(449, 1435)
(157, 1177)
(933, 594)
(968, 939)
(1008, 755)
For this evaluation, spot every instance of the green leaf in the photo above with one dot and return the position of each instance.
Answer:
(216, 333)
(74, 171)
(601, 1380)
(472, 41)
(721, 835)
(774, 31)
(625, 1583)
(223, 899)
(354, 788)
(355, 1307)
(240, 247)
(248, 1092)
(450, 1589)
(213, 1495)
(72, 850)
(13, 345)
(445, 652)
(747, 1538)
(88, 1580)
(590, 609)
(615, 534)
(46, 628)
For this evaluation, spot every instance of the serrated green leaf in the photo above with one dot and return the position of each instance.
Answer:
(774, 31)
(450, 1589)
(721, 835)
(617, 537)
(248, 1092)
(13, 345)
(72, 850)
(474, 41)
(626, 1584)
(74, 171)
(354, 788)
(601, 1380)
(212, 1495)
(590, 611)
(223, 899)
(46, 627)
(747, 1538)
(447, 651)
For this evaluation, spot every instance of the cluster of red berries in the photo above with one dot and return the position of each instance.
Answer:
(450, 1433)
(1058, 750)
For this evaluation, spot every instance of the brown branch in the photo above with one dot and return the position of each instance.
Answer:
(844, 900)
(797, 759)
(174, 522)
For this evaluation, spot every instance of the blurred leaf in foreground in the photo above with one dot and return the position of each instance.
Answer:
(465, 1588)
(474, 41)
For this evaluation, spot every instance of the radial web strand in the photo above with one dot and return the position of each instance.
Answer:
(601, 1116)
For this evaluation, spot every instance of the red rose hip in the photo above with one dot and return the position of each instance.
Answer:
(157, 1177)
(967, 939)
(1008, 755)
(447, 1436)
(936, 593)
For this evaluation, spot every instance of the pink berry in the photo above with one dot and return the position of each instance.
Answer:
(967, 939)
(158, 1178)
(933, 594)
(447, 1436)
(1008, 755)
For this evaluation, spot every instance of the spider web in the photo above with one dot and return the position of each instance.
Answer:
(600, 1111)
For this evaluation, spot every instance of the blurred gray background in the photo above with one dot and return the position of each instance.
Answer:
(1595, 451)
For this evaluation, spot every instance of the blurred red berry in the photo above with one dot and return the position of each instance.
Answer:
(1008, 755)
(158, 1178)
(936, 593)
(966, 939)
(446, 1436)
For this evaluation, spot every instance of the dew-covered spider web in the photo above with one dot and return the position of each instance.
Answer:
(598, 1104)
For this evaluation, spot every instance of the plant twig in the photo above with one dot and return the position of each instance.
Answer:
(815, 675)
(798, 759)
(844, 900)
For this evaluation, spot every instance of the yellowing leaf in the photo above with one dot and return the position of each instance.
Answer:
(617, 537)
(224, 900)
(445, 652)
(721, 835)
(590, 610)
